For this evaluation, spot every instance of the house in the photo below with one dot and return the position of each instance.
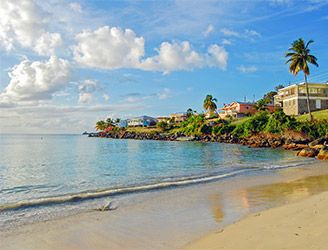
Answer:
(163, 118)
(123, 123)
(142, 121)
(292, 99)
(179, 117)
(240, 109)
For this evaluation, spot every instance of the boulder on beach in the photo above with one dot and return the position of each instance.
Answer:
(308, 152)
(323, 153)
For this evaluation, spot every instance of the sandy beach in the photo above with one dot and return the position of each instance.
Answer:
(198, 217)
(302, 225)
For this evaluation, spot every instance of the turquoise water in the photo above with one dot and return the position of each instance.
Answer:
(55, 168)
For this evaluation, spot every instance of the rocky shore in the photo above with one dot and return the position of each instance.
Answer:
(303, 145)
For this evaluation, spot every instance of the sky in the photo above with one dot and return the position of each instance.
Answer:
(66, 64)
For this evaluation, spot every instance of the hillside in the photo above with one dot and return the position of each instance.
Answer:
(318, 115)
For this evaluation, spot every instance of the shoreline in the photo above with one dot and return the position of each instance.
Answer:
(301, 144)
(299, 225)
(186, 214)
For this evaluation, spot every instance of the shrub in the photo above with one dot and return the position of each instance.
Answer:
(314, 129)
(253, 125)
(279, 121)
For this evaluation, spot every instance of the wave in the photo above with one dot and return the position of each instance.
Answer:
(46, 201)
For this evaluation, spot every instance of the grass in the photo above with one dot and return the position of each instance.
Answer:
(240, 120)
(317, 115)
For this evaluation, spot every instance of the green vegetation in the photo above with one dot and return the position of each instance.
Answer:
(299, 57)
(210, 104)
(317, 115)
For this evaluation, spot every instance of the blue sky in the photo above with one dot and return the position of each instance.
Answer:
(66, 64)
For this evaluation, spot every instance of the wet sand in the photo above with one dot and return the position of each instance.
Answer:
(172, 218)
(301, 225)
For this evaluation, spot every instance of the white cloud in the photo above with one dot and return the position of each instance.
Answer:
(164, 94)
(22, 23)
(35, 81)
(251, 34)
(108, 48)
(244, 69)
(86, 89)
(246, 34)
(106, 97)
(229, 32)
(173, 56)
(180, 56)
(218, 56)
(209, 30)
(76, 7)
(113, 48)
(226, 42)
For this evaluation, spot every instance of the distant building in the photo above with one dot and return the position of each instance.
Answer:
(163, 118)
(123, 123)
(142, 121)
(179, 117)
(240, 109)
(293, 101)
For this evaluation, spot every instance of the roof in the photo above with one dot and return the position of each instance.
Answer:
(302, 83)
(143, 117)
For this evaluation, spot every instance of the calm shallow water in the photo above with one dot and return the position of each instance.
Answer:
(37, 166)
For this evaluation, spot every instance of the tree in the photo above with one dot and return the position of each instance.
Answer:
(280, 86)
(261, 105)
(101, 125)
(189, 112)
(268, 97)
(109, 122)
(299, 57)
(210, 104)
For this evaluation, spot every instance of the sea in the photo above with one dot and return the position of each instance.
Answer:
(47, 176)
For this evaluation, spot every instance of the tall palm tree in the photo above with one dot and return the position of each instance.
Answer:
(210, 104)
(299, 57)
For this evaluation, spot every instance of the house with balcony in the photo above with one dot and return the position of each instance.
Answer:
(292, 99)
(142, 121)
(240, 109)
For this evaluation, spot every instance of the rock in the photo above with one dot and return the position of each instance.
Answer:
(294, 146)
(107, 207)
(308, 152)
(185, 138)
(320, 141)
(323, 153)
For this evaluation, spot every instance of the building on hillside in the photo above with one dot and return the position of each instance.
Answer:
(292, 99)
(179, 117)
(123, 123)
(141, 121)
(240, 109)
(163, 118)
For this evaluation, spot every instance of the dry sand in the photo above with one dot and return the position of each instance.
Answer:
(301, 225)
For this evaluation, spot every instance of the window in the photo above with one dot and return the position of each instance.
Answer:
(317, 104)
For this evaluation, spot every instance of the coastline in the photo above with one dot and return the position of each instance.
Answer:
(187, 214)
(300, 225)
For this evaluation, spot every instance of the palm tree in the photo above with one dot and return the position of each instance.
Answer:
(101, 125)
(210, 104)
(299, 57)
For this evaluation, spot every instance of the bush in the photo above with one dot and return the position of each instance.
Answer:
(279, 121)
(253, 125)
(314, 129)
(223, 128)
(193, 125)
